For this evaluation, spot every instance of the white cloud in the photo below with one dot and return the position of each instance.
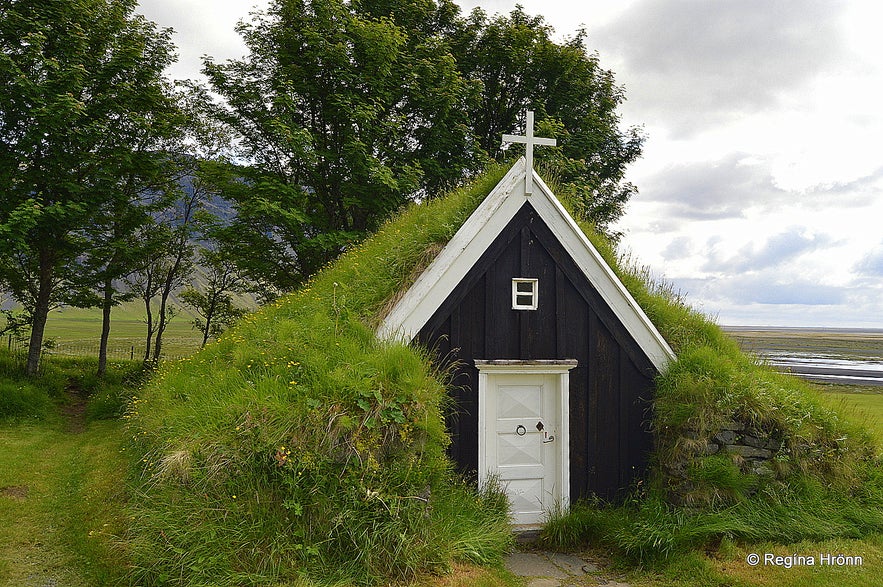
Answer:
(692, 63)
(871, 265)
(202, 27)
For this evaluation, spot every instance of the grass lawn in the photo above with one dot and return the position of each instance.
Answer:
(76, 328)
(863, 404)
(61, 496)
(76, 331)
(727, 567)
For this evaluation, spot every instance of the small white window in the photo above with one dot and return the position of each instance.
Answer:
(524, 293)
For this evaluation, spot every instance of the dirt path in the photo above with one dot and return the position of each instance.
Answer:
(73, 410)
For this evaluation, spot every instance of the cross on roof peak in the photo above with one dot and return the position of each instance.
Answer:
(529, 141)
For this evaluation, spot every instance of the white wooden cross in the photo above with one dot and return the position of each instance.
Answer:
(529, 140)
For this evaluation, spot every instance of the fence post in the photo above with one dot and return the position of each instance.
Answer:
(132, 353)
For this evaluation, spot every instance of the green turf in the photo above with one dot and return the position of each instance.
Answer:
(61, 505)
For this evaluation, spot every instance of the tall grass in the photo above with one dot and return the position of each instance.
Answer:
(651, 530)
(299, 447)
(25, 398)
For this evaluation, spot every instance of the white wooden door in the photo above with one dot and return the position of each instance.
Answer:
(522, 441)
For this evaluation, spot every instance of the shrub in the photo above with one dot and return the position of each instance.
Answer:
(21, 399)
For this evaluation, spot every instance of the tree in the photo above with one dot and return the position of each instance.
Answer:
(520, 67)
(167, 243)
(115, 250)
(346, 110)
(343, 115)
(212, 300)
(82, 83)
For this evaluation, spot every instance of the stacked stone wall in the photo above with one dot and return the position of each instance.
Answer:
(754, 451)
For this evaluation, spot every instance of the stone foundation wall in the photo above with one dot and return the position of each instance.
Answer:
(755, 449)
(752, 450)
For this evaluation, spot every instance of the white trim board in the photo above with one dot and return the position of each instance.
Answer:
(491, 217)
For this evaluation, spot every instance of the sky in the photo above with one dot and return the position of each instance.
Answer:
(761, 183)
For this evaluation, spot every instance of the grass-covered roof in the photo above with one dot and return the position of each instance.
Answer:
(299, 447)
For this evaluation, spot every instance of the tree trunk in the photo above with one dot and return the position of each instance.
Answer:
(41, 313)
(209, 314)
(160, 327)
(149, 331)
(105, 327)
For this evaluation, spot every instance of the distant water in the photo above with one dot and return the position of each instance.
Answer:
(832, 360)
(828, 369)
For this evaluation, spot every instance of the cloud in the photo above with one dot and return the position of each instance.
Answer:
(678, 248)
(694, 62)
(871, 264)
(714, 190)
(859, 191)
(202, 27)
(777, 250)
(761, 300)
(764, 289)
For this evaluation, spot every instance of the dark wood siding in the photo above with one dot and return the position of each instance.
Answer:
(610, 389)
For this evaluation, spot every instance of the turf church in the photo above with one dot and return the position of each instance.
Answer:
(554, 361)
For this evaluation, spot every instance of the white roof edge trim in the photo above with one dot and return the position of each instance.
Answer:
(400, 323)
(482, 227)
(611, 289)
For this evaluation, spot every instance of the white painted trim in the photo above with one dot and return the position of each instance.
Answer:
(561, 369)
(491, 217)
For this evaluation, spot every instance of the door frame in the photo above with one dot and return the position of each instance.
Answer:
(559, 368)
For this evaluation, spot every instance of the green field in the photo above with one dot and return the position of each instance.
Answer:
(76, 331)
(863, 404)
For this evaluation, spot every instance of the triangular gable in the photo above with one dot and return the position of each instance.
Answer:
(446, 271)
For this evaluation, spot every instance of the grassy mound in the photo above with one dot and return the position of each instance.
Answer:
(826, 480)
(299, 447)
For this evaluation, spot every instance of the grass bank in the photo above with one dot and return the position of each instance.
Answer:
(298, 447)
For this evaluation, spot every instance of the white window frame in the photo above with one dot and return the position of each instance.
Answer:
(534, 293)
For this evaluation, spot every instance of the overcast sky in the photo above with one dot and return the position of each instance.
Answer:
(762, 176)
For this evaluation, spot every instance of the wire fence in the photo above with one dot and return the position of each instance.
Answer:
(18, 348)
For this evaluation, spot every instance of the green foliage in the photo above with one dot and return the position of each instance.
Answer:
(84, 106)
(213, 302)
(344, 115)
(25, 398)
(518, 65)
(346, 111)
(298, 445)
